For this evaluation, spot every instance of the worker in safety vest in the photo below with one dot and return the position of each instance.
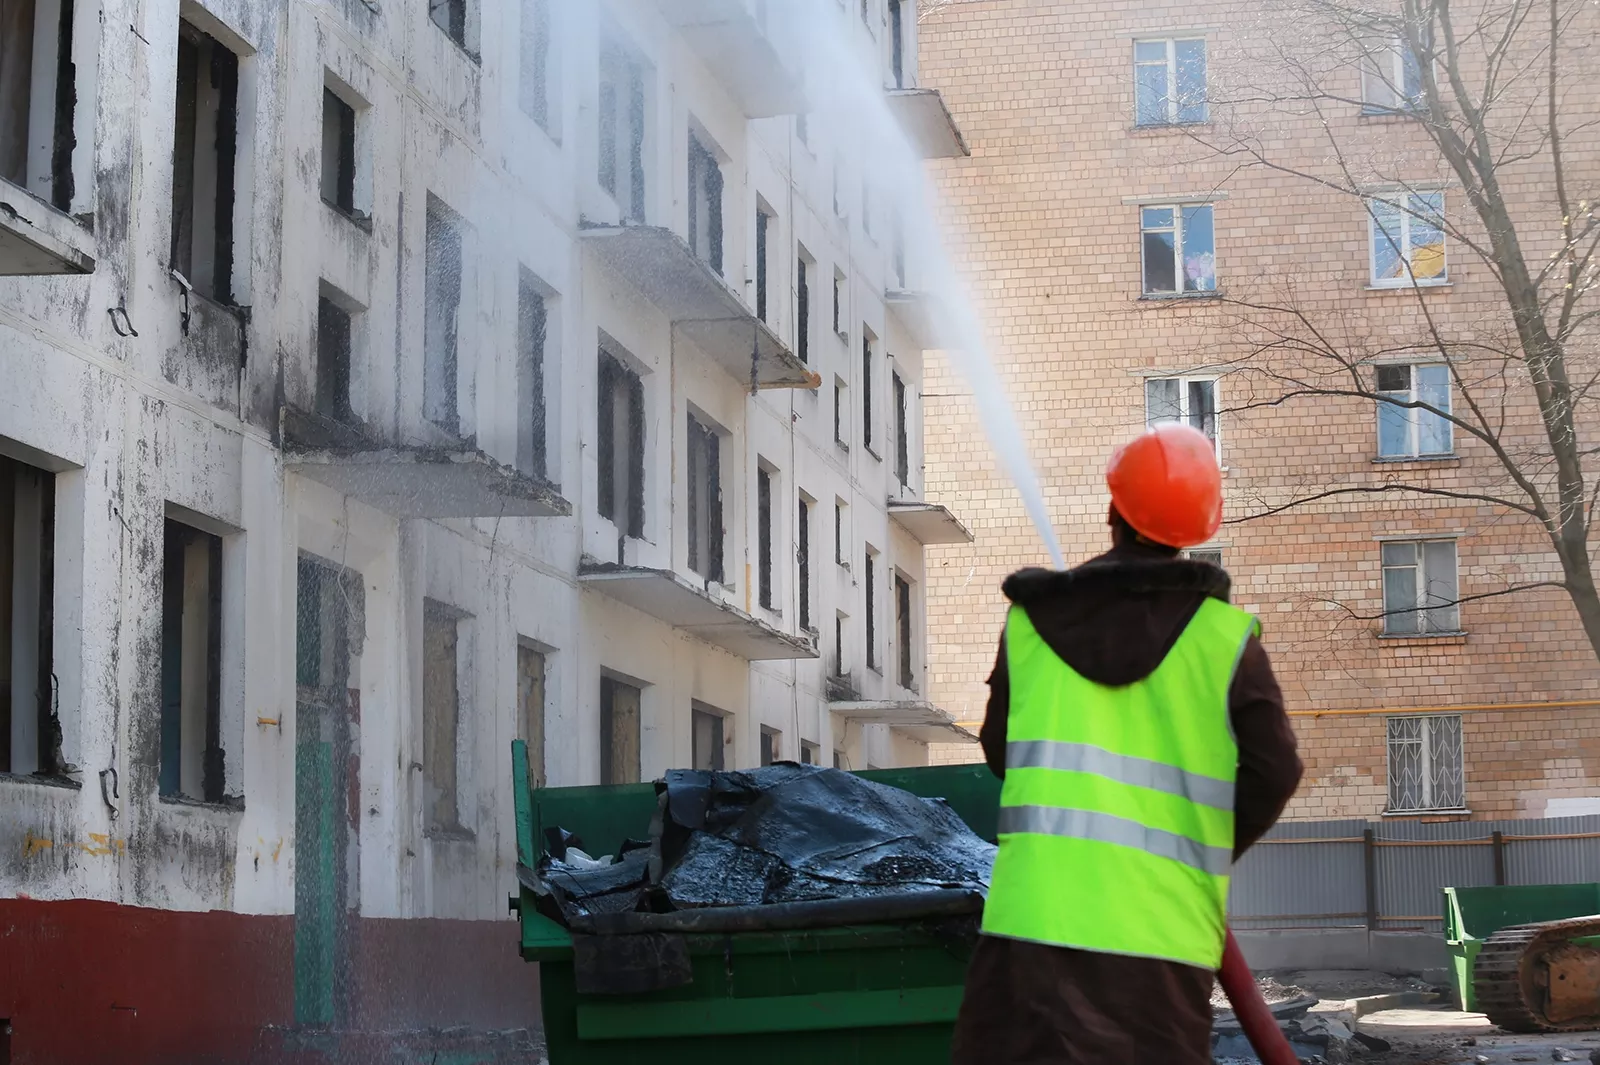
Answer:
(1141, 737)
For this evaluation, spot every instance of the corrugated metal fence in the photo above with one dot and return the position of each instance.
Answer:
(1387, 874)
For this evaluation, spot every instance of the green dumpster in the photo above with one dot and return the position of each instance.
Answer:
(1472, 915)
(880, 994)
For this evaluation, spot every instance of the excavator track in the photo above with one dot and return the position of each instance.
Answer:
(1533, 978)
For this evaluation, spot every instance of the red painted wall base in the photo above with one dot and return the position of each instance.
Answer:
(95, 983)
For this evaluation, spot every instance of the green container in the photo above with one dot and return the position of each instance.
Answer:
(1472, 915)
(878, 994)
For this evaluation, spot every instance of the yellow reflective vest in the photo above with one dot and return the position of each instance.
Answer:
(1116, 816)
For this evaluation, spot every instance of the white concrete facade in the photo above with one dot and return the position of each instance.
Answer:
(149, 403)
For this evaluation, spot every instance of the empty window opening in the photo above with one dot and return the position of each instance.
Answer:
(1169, 82)
(841, 657)
(204, 154)
(705, 203)
(38, 97)
(535, 83)
(902, 629)
(621, 446)
(840, 556)
(533, 323)
(1179, 249)
(1408, 240)
(621, 127)
(869, 584)
(1191, 401)
(867, 358)
(902, 433)
(191, 664)
(767, 596)
(451, 17)
(442, 317)
(802, 553)
(705, 500)
(531, 674)
(771, 745)
(840, 437)
(441, 716)
(810, 753)
(1426, 770)
(763, 225)
(30, 730)
(338, 152)
(706, 739)
(838, 759)
(619, 732)
(1421, 588)
(897, 44)
(335, 327)
(838, 302)
(1406, 431)
(802, 307)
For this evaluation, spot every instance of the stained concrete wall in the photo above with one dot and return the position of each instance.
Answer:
(144, 398)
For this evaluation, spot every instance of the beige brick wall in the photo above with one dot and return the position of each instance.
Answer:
(1042, 90)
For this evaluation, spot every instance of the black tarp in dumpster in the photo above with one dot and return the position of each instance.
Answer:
(776, 837)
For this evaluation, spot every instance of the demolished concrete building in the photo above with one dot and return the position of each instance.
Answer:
(387, 382)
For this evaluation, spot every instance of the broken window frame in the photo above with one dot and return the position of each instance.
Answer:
(904, 630)
(703, 452)
(533, 362)
(902, 431)
(868, 356)
(536, 85)
(621, 712)
(213, 280)
(42, 165)
(802, 307)
(442, 717)
(764, 220)
(1392, 219)
(765, 532)
(620, 433)
(30, 743)
(707, 738)
(338, 153)
(869, 586)
(622, 112)
(803, 508)
(705, 203)
(456, 20)
(191, 694)
(443, 294)
(533, 683)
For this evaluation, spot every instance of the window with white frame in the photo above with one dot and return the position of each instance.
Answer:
(1179, 249)
(1391, 76)
(1170, 81)
(1421, 588)
(1426, 770)
(1188, 400)
(1408, 239)
(1406, 431)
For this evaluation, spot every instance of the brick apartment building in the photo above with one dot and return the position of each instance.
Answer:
(1093, 126)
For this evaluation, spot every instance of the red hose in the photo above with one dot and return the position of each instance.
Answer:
(1260, 1027)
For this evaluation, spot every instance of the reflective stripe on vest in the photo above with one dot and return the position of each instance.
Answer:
(1116, 818)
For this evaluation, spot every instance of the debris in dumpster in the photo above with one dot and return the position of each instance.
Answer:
(784, 846)
(630, 965)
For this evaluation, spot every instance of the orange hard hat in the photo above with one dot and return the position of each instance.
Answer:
(1166, 484)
